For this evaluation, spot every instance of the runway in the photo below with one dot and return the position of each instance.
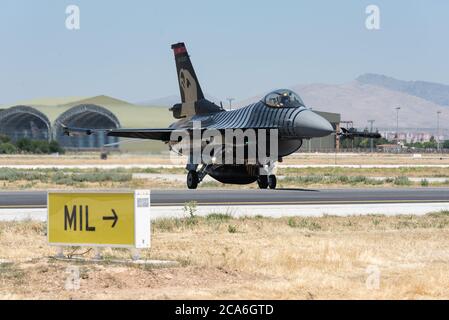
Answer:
(38, 199)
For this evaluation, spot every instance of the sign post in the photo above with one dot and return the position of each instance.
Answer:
(117, 219)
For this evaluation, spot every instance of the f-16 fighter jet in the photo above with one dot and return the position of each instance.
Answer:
(232, 146)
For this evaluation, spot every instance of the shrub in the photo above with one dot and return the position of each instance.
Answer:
(54, 147)
(438, 214)
(4, 139)
(8, 174)
(402, 181)
(292, 222)
(218, 216)
(11, 175)
(102, 177)
(38, 146)
(166, 224)
(190, 208)
(7, 148)
(24, 145)
(424, 183)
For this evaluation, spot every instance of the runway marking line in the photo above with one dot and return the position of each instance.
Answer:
(261, 203)
(307, 202)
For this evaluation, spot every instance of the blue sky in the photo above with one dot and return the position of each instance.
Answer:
(239, 48)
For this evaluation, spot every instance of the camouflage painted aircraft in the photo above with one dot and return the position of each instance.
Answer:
(281, 110)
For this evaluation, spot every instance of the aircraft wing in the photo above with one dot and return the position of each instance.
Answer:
(162, 134)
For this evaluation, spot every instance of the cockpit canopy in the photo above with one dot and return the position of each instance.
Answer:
(283, 98)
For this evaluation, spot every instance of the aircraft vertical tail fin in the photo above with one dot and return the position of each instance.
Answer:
(188, 82)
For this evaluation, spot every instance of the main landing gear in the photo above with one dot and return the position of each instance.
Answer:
(192, 179)
(272, 181)
(265, 181)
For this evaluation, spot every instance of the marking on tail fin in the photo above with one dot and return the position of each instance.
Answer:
(188, 85)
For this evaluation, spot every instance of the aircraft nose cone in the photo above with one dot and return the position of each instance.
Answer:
(308, 124)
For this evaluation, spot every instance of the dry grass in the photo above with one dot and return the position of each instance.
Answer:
(133, 184)
(222, 257)
(82, 159)
(172, 178)
(297, 158)
(368, 172)
(366, 159)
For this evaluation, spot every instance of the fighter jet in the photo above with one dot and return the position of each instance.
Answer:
(281, 110)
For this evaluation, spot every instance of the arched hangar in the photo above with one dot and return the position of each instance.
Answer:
(24, 122)
(43, 120)
(86, 116)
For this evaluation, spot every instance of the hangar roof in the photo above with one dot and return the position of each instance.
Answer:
(129, 115)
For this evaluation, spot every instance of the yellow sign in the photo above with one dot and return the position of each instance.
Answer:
(95, 219)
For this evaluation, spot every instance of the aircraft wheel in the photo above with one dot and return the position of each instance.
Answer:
(192, 180)
(262, 181)
(272, 181)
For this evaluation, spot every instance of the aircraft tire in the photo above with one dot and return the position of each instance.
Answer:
(192, 179)
(272, 181)
(262, 181)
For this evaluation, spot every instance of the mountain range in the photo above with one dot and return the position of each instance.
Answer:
(430, 91)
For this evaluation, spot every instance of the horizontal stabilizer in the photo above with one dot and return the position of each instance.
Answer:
(152, 134)
(71, 131)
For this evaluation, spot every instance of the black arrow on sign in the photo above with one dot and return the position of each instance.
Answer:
(114, 217)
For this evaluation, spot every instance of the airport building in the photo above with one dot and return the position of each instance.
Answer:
(43, 120)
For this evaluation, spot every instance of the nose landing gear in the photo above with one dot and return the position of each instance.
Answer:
(266, 178)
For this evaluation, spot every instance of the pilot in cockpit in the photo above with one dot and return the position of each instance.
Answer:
(283, 98)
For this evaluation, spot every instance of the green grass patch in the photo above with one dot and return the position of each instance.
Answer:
(369, 172)
(221, 217)
(63, 177)
(303, 223)
(232, 229)
(439, 214)
(330, 179)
